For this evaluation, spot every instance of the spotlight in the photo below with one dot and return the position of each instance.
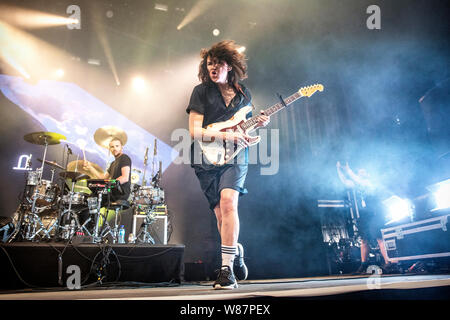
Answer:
(398, 209)
(60, 73)
(94, 62)
(32, 19)
(13, 63)
(139, 84)
(241, 49)
(73, 21)
(161, 7)
(216, 32)
(441, 194)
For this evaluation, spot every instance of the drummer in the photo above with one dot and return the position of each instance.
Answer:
(120, 170)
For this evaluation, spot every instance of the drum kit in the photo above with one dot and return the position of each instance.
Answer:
(49, 210)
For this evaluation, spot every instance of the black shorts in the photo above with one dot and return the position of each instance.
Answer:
(214, 179)
(370, 225)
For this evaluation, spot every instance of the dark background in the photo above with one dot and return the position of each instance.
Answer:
(369, 113)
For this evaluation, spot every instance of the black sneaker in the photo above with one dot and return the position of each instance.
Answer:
(389, 268)
(239, 267)
(226, 279)
(362, 269)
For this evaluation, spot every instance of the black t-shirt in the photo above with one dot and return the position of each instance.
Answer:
(207, 100)
(115, 171)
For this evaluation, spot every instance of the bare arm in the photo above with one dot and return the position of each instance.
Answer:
(125, 173)
(94, 173)
(347, 182)
(357, 179)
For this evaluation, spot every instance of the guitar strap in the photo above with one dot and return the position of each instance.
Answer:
(239, 88)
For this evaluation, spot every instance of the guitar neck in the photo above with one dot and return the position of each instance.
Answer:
(272, 110)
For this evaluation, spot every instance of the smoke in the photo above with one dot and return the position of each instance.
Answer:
(368, 115)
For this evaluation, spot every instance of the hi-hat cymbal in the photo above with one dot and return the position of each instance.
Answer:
(74, 176)
(77, 166)
(104, 135)
(52, 163)
(43, 138)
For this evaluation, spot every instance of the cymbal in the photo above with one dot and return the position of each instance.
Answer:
(104, 135)
(134, 178)
(52, 163)
(42, 137)
(77, 165)
(74, 176)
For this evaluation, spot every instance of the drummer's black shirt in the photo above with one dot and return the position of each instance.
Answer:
(115, 171)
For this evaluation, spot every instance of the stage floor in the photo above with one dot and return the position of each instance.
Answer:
(385, 287)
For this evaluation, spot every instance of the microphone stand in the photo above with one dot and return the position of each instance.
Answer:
(145, 167)
(63, 185)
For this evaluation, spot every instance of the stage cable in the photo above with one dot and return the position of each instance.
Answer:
(17, 272)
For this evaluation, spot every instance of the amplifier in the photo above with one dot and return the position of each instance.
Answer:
(423, 239)
(157, 229)
(160, 209)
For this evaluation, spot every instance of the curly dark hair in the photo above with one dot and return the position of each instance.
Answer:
(227, 51)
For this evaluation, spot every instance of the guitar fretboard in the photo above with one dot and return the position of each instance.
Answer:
(271, 110)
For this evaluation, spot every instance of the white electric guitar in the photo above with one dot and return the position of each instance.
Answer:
(220, 152)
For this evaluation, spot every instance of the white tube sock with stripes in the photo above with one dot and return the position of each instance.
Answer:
(228, 254)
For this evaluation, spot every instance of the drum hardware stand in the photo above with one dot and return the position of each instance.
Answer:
(21, 209)
(63, 185)
(146, 237)
(35, 218)
(108, 230)
(95, 236)
(155, 152)
(145, 167)
(41, 169)
(69, 210)
(100, 234)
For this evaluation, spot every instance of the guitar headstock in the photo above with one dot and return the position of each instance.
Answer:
(310, 90)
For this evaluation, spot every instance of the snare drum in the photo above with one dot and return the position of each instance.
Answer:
(148, 195)
(157, 196)
(78, 198)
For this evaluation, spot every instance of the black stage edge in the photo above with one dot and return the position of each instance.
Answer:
(35, 265)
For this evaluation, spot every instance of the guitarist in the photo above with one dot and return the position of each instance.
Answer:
(218, 98)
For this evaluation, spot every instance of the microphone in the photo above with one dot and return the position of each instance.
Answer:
(29, 161)
(146, 156)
